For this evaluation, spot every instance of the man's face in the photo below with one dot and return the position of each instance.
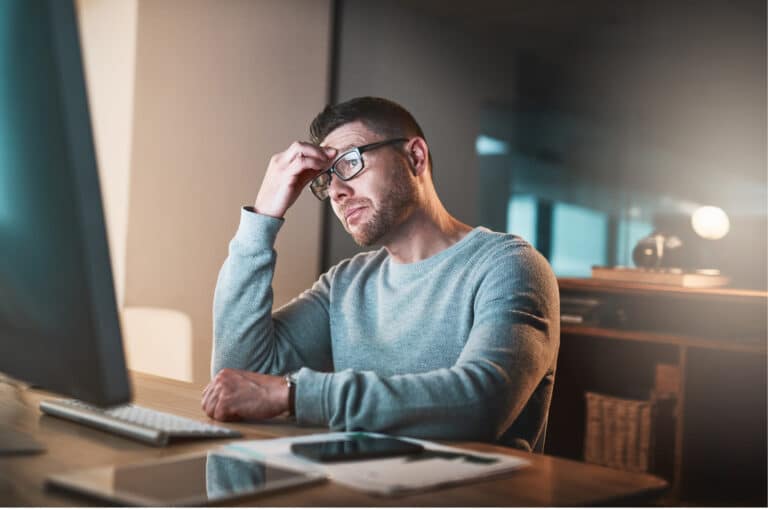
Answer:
(380, 197)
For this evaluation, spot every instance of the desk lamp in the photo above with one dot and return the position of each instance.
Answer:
(666, 250)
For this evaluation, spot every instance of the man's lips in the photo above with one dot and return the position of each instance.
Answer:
(353, 211)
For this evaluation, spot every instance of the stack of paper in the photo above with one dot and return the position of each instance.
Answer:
(437, 466)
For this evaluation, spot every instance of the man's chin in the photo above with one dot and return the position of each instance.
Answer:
(361, 234)
(361, 239)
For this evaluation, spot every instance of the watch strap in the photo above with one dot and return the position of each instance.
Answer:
(290, 380)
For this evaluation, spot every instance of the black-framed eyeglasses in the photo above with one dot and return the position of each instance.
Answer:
(347, 166)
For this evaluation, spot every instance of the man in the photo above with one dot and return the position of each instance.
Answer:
(446, 332)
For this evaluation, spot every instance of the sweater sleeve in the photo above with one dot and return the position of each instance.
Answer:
(512, 346)
(247, 335)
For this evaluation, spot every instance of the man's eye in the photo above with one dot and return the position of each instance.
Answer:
(348, 163)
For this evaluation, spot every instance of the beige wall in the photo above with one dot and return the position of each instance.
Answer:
(108, 38)
(220, 87)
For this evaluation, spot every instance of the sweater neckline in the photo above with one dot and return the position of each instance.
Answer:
(407, 269)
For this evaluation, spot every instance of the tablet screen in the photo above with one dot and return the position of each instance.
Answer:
(185, 480)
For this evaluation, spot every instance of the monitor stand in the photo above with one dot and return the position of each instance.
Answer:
(14, 442)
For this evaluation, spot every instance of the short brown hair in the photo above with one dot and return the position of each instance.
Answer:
(381, 116)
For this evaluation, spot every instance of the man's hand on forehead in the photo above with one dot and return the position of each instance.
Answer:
(287, 175)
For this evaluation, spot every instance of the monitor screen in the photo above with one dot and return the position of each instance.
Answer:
(59, 325)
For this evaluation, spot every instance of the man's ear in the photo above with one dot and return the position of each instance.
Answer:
(417, 152)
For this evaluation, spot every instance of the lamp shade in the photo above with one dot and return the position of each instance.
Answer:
(710, 222)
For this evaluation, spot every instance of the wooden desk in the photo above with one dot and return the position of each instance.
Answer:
(548, 481)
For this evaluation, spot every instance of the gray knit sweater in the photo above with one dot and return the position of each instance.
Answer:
(461, 345)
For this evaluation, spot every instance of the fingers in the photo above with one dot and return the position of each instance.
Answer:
(303, 150)
(287, 175)
(302, 157)
(211, 400)
(216, 402)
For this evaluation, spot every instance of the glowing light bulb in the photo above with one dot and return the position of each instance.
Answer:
(710, 222)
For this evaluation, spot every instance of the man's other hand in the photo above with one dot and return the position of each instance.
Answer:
(288, 173)
(242, 395)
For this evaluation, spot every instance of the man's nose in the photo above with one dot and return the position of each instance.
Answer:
(338, 189)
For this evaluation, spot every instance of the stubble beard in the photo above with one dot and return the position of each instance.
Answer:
(391, 211)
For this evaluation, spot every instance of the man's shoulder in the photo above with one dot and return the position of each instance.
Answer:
(510, 255)
(493, 245)
(508, 265)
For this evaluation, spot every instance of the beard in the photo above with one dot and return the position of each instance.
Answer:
(394, 207)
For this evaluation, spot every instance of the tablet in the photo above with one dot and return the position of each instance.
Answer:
(192, 479)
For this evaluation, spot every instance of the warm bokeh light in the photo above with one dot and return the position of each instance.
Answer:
(710, 222)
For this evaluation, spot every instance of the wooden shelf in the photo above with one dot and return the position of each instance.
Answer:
(623, 287)
(756, 345)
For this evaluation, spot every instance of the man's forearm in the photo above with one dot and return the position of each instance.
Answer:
(477, 399)
(242, 306)
(247, 335)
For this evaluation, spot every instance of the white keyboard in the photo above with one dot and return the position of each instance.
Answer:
(133, 421)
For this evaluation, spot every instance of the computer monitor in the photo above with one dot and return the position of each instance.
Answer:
(59, 326)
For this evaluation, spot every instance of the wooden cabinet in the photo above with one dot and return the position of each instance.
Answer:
(711, 346)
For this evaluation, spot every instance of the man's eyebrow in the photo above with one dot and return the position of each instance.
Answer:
(342, 149)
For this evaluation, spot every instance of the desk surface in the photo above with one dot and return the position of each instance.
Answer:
(549, 481)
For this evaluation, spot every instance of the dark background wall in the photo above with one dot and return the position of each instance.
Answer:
(660, 99)
(439, 69)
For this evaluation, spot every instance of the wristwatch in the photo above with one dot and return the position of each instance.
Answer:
(290, 380)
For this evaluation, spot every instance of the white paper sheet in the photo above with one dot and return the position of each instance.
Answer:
(387, 476)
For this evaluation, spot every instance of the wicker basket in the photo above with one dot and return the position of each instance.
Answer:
(619, 432)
